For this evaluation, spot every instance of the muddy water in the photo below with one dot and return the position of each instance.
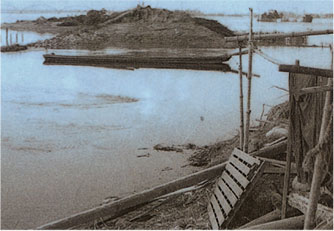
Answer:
(70, 135)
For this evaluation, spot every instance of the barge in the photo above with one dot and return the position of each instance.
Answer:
(131, 62)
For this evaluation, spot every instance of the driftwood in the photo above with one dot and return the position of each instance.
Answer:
(301, 203)
(272, 216)
(118, 208)
(289, 223)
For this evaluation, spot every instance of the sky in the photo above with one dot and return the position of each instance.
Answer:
(205, 6)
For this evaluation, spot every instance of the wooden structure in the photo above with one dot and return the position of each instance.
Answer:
(241, 38)
(235, 183)
(310, 119)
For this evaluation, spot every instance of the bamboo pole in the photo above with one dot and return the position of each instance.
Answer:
(288, 153)
(249, 76)
(319, 161)
(241, 102)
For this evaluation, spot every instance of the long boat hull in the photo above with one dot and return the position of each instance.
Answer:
(213, 63)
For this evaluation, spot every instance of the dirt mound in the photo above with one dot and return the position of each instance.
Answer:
(138, 28)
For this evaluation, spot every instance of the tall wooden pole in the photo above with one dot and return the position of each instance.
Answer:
(289, 150)
(241, 102)
(249, 76)
(7, 43)
(17, 38)
(10, 38)
(319, 161)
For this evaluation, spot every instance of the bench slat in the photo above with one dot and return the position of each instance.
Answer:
(237, 175)
(230, 195)
(233, 185)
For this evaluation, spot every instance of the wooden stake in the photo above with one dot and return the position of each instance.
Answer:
(249, 76)
(241, 102)
(7, 37)
(289, 152)
(319, 162)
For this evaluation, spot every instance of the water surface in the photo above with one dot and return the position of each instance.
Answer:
(70, 135)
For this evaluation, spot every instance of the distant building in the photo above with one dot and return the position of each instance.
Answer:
(307, 18)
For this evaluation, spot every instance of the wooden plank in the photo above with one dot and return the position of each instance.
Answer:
(241, 166)
(229, 194)
(233, 185)
(212, 218)
(217, 210)
(237, 175)
(306, 70)
(227, 208)
(244, 156)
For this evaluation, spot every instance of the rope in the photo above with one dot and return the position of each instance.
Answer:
(266, 57)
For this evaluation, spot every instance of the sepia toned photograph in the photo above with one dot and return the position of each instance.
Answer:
(166, 114)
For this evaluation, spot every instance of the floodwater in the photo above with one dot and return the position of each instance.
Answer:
(70, 135)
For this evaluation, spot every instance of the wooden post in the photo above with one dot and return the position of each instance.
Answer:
(7, 43)
(241, 102)
(17, 38)
(249, 76)
(289, 151)
(319, 162)
(10, 39)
